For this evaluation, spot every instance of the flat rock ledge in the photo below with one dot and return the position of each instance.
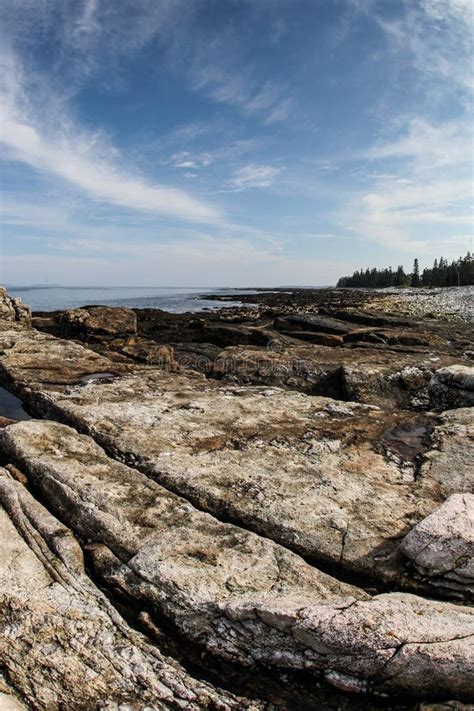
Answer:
(63, 645)
(194, 500)
(302, 471)
(240, 596)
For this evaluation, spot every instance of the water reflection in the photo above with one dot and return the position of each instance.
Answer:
(11, 407)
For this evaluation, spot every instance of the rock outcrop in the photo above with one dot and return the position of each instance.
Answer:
(451, 387)
(442, 545)
(98, 321)
(302, 471)
(242, 597)
(363, 375)
(321, 343)
(265, 494)
(63, 645)
(13, 309)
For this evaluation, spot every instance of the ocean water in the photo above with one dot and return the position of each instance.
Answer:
(173, 299)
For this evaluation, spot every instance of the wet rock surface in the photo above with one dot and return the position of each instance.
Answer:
(220, 448)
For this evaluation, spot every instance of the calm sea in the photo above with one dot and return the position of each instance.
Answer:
(175, 300)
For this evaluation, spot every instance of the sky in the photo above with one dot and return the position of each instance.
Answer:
(232, 142)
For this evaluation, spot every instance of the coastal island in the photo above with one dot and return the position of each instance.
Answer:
(264, 507)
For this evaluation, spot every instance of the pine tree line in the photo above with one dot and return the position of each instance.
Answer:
(459, 273)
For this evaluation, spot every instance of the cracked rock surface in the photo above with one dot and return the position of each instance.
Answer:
(268, 506)
(303, 471)
(241, 596)
(62, 643)
(452, 386)
(442, 545)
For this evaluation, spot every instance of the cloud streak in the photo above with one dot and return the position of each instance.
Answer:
(82, 159)
(438, 36)
(253, 176)
(430, 188)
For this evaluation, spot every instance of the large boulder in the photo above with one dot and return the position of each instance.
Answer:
(13, 309)
(441, 546)
(93, 321)
(452, 386)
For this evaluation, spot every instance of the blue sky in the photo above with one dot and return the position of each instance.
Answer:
(232, 142)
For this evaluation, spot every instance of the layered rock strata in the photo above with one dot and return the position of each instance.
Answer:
(63, 645)
(192, 499)
(442, 545)
(302, 471)
(241, 596)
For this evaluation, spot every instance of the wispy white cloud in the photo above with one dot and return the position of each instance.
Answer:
(236, 88)
(190, 161)
(83, 159)
(431, 145)
(423, 202)
(101, 180)
(430, 189)
(253, 176)
(280, 111)
(438, 36)
(92, 34)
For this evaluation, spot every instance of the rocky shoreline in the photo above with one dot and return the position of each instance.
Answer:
(269, 507)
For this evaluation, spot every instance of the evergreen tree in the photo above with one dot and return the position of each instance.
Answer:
(415, 276)
(459, 273)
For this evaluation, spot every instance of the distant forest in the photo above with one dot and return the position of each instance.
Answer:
(459, 273)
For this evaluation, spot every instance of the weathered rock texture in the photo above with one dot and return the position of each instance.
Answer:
(363, 375)
(447, 465)
(62, 644)
(442, 545)
(242, 597)
(452, 387)
(98, 321)
(13, 309)
(320, 342)
(55, 361)
(303, 471)
(206, 492)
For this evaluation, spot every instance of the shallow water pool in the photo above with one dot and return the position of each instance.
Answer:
(11, 406)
